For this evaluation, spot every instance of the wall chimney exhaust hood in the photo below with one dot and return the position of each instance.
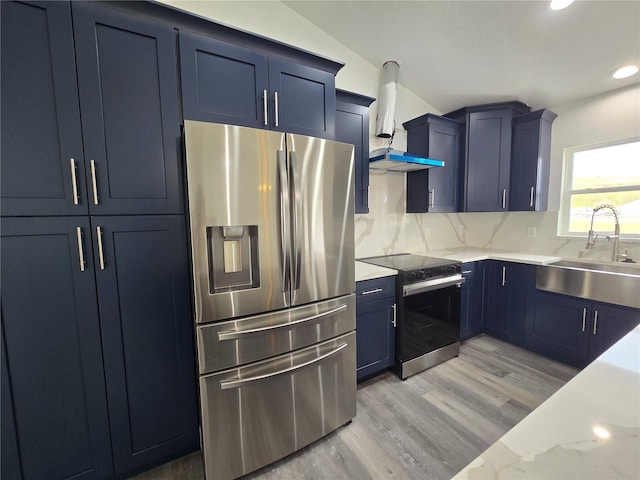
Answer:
(397, 161)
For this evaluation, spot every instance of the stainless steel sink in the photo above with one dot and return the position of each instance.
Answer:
(604, 282)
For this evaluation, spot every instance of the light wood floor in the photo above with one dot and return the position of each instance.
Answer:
(428, 427)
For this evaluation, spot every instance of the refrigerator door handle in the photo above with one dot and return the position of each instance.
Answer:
(284, 221)
(297, 220)
(235, 334)
(244, 381)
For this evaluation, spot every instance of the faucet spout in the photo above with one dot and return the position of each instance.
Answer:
(591, 238)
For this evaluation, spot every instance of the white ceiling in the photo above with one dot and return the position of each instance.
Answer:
(457, 53)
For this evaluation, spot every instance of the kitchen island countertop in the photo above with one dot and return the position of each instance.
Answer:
(589, 429)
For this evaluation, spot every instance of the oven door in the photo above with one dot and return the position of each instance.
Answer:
(430, 317)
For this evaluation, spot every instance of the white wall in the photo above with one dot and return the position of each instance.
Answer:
(607, 117)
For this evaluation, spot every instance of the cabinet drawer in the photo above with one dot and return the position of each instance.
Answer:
(369, 290)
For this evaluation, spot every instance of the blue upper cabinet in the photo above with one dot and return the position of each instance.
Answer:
(488, 155)
(304, 99)
(41, 143)
(352, 126)
(129, 106)
(227, 83)
(436, 189)
(223, 83)
(530, 160)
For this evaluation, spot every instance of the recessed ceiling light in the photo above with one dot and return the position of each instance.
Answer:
(560, 4)
(626, 71)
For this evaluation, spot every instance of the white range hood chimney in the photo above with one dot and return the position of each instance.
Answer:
(385, 123)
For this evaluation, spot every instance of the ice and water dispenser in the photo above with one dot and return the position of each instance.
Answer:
(233, 258)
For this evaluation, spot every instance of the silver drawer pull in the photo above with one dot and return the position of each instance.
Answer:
(94, 182)
(100, 250)
(235, 334)
(369, 292)
(467, 271)
(74, 182)
(80, 249)
(243, 381)
(265, 107)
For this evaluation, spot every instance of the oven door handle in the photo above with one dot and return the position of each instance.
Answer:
(431, 285)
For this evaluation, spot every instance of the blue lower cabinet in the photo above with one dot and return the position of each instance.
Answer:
(507, 287)
(472, 300)
(573, 330)
(375, 326)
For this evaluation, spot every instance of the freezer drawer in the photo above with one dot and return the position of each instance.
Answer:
(259, 413)
(232, 343)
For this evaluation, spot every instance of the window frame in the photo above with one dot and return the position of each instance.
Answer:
(567, 191)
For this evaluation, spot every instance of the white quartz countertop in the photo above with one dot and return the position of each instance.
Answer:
(476, 254)
(366, 271)
(589, 429)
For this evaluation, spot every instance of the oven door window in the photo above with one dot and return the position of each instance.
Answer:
(431, 320)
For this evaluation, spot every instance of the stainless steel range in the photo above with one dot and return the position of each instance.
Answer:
(272, 243)
(428, 310)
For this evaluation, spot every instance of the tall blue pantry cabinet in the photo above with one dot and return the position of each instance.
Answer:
(98, 374)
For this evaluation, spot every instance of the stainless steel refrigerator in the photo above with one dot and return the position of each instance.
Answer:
(272, 244)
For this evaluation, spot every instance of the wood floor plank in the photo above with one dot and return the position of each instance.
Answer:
(427, 427)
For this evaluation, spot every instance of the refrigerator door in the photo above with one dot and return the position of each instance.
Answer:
(238, 209)
(261, 412)
(322, 219)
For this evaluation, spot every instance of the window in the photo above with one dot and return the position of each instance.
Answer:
(596, 175)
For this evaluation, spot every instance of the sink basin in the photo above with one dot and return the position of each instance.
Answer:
(614, 283)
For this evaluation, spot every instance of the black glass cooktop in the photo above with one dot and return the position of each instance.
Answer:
(406, 261)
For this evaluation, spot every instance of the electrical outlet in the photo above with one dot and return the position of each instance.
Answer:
(531, 232)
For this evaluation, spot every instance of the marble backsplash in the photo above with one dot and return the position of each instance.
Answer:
(387, 229)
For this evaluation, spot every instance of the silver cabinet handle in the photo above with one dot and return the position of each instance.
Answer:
(100, 251)
(297, 220)
(275, 100)
(243, 381)
(504, 198)
(369, 292)
(466, 272)
(393, 307)
(235, 334)
(433, 197)
(584, 319)
(94, 183)
(533, 189)
(284, 221)
(80, 249)
(504, 275)
(74, 182)
(265, 107)
(595, 322)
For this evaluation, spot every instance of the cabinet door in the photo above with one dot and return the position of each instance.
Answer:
(303, 99)
(472, 300)
(609, 324)
(129, 105)
(375, 333)
(352, 126)
(498, 299)
(508, 287)
(223, 83)
(530, 161)
(436, 189)
(41, 137)
(558, 326)
(488, 159)
(53, 350)
(143, 293)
